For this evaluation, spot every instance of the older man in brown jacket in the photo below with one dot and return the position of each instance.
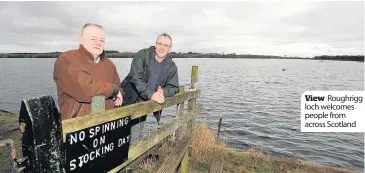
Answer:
(85, 72)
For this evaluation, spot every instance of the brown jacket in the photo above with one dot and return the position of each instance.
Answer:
(78, 79)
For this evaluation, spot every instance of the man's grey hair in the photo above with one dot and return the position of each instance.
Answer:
(165, 35)
(89, 25)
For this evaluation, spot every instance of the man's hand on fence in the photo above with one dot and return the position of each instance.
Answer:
(119, 100)
(160, 90)
(158, 96)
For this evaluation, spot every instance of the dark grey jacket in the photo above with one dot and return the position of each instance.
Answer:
(135, 84)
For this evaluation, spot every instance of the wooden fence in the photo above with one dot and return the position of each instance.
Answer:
(100, 142)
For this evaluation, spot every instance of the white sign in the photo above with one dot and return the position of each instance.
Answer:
(333, 111)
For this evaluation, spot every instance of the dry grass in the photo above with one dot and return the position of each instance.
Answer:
(155, 159)
(206, 149)
(8, 118)
(202, 144)
(150, 163)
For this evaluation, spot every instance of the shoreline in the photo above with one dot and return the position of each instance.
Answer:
(117, 54)
(4, 111)
(321, 60)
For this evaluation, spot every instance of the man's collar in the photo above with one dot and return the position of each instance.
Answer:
(89, 56)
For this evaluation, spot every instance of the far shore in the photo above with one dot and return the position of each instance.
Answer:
(116, 54)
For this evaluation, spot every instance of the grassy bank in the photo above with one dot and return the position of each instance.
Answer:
(207, 150)
(6, 118)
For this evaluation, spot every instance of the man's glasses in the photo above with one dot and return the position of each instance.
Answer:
(164, 45)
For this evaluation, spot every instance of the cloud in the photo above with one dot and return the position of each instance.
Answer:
(275, 28)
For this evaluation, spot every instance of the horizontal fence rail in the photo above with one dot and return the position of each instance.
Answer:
(135, 110)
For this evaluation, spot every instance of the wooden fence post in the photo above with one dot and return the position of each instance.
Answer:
(98, 104)
(179, 112)
(191, 123)
(194, 77)
(192, 102)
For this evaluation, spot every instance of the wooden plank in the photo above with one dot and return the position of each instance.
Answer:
(180, 111)
(216, 167)
(177, 154)
(191, 124)
(180, 107)
(185, 163)
(136, 110)
(181, 89)
(148, 142)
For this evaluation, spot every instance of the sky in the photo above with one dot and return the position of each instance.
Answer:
(280, 28)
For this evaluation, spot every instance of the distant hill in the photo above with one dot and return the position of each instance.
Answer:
(116, 54)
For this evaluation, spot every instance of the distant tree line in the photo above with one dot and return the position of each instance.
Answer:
(341, 57)
(231, 55)
(31, 55)
(116, 54)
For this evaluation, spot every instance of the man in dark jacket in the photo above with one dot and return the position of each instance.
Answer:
(153, 76)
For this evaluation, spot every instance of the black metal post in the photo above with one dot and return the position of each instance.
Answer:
(219, 127)
(42, 137)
